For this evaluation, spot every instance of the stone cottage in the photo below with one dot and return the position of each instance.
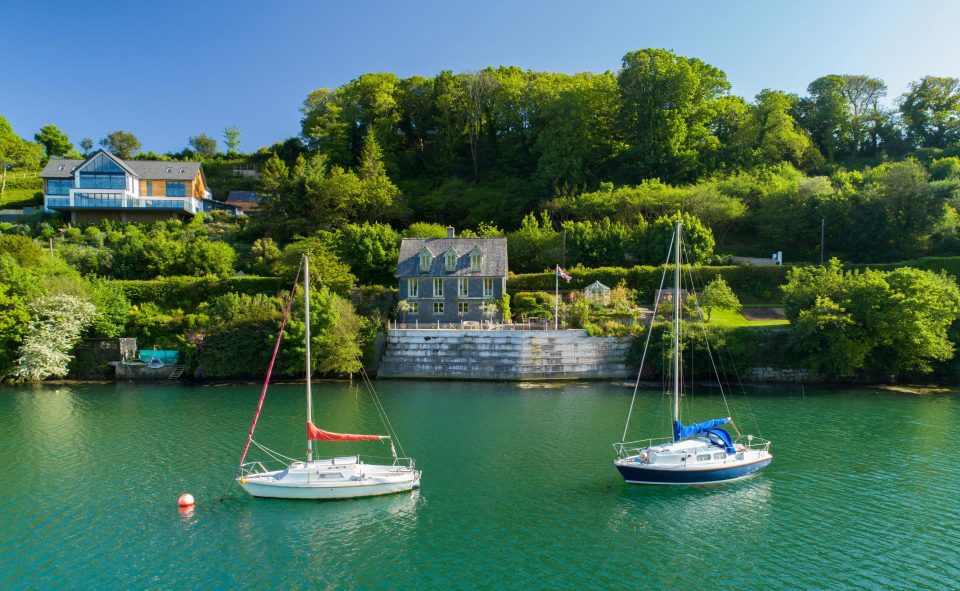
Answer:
(446, 280)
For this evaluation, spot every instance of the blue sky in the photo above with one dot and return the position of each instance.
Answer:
(170, 70)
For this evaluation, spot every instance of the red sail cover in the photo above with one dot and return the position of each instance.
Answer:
(315, 434)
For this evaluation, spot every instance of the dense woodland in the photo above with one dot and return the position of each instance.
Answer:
(587, 170)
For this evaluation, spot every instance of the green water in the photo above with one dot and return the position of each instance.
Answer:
(518, 493)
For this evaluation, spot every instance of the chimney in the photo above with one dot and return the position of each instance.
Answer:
(450, 232)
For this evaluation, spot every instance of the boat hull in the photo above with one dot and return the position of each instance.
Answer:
(319, 493)
(638, 474)
(335, 478)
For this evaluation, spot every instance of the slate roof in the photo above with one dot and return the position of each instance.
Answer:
(494, 260)
(243, 197)
(145, 169)
(51, 170)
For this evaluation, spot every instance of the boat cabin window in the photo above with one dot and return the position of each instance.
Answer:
(719, 456)
(703, 457)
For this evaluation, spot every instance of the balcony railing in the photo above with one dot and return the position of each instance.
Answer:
(106, 199)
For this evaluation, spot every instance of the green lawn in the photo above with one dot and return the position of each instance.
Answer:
(734, 319)
(17, 198)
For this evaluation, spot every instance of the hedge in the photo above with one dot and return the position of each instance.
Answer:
(187, 292)
(753, 285)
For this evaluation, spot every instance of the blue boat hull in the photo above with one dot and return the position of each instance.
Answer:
(635, 474)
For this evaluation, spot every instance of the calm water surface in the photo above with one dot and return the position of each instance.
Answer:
(518, 493)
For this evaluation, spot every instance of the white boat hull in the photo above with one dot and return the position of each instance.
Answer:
(337, 478)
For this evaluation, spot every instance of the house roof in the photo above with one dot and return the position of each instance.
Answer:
(144, 169)
(52, 169)
(244, 196)
(494, 256)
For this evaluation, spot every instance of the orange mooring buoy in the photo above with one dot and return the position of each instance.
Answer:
(185, 500)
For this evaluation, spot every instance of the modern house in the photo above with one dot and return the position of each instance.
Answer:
(246, 201)
(105, 187)
(446, 280)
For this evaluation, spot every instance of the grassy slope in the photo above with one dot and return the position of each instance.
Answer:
(21, 192)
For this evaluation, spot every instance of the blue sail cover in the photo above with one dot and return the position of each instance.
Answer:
(681, 431)
(722, 438)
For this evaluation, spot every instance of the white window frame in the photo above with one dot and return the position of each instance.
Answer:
(463, 287)
(438, 307)
(413, 288)
(463, 307)
(488, 287)
(425, 260)
(450, 261)
(416, 307)
(476, 261)
(438, 287)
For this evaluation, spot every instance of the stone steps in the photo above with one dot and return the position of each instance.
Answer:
(513, 355)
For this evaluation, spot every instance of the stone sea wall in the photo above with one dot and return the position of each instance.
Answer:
(783, 376)
(503, 355)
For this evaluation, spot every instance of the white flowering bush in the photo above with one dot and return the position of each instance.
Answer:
(56, 323)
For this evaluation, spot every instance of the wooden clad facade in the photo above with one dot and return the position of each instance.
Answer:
(195, 188)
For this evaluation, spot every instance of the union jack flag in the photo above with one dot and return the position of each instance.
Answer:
(563, 273)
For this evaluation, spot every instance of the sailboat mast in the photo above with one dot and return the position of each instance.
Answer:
(306, 310)
(676, 326)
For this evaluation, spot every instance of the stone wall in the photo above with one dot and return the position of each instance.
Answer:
(769, 374)
(503, 355)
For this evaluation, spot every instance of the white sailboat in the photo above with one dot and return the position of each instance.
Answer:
(341, 477)
(697, 453)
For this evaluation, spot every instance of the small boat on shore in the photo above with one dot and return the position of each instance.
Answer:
(339, 477)
(697, 453)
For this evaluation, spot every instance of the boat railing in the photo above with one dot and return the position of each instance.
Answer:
(250, 468)
(753, 442)
(626, 449)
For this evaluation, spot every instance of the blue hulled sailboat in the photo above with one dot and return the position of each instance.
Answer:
(697, 453)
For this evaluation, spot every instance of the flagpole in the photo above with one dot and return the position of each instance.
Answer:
(556, 299)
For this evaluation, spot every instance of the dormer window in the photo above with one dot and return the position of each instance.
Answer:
(183, 170)
(61, 167)
(425, 260)
(450, 260)
(169, 170)
(476, 259)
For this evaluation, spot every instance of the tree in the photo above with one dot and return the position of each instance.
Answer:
(825, 114)
(378, 193)
(206, 257)
(371, 250)
(404, 307)
(86, 144)
(13, 322)
(265, 255)
(204, 146)
(931, 112)
(871, 321)
(772, 135)
(121, 143)
(15, 152)
(55, 143)
(340, 347)
(326, 269)
(56, 323)
(536, 245)
(231, 138)
(668, 104)
(425, 230)
(274, 176)
(697, 239)
(717, 294)
(479, 88)
(901, 192)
